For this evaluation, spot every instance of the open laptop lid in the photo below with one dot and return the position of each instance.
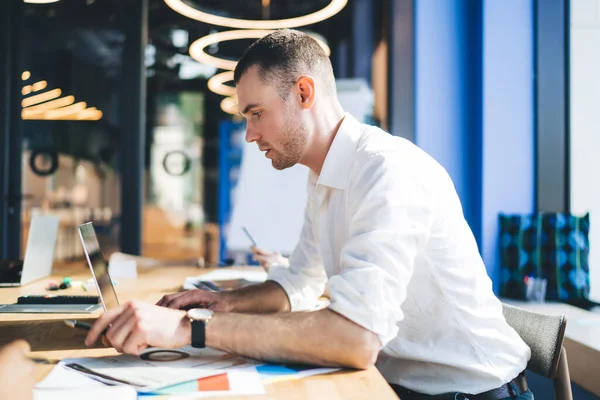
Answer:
(39, 253)
(98, 266)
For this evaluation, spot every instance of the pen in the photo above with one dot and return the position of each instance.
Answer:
(249, 236)
(38, 360)
(73, 323)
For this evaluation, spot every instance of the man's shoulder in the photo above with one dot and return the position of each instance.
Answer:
(379, 152)
(377, 145)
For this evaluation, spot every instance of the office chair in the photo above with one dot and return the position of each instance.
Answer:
(544, 335)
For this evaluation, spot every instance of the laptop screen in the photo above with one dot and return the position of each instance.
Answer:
(10, 272)
(98, 265)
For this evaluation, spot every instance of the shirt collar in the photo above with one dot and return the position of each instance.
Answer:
(340, 156)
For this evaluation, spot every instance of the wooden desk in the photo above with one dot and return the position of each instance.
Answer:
(51, 339)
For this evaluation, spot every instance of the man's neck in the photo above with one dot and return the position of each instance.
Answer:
(325, 128)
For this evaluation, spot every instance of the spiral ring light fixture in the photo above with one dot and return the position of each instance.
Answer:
(197, 48)
(216, 84)
(334, 7)
(229, 105)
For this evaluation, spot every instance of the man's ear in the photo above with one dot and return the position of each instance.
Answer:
(306, 95)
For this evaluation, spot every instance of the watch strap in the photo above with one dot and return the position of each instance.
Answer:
(198, 333)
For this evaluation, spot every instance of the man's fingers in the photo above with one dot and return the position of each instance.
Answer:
(121, 327)
(191, 297)
(106, 342)
(165, 299)
(184, 300)
(101, 323)
(169, 298)
(136, 341)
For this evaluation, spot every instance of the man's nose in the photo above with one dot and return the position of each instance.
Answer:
(251, 135)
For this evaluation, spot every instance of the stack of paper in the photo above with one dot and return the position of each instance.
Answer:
(157, 368)
(182, 372)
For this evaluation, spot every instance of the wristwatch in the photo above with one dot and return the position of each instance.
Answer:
(199, 317)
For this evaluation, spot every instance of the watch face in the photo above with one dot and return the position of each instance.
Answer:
(200, 314)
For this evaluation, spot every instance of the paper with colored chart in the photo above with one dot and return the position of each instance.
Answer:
(271, 373)
(235, 382)
(242, 381)
(157, 368)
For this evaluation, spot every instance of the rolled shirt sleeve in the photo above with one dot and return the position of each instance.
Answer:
(389, 223)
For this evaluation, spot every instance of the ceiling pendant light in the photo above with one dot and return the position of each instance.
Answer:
(216, 84)
(40, 1)
(197, 48)
(49, 105)
(334, 7)
(230, 105)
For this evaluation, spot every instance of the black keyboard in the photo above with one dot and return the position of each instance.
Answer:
(54, 299)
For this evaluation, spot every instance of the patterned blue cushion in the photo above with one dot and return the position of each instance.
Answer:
(553, 246)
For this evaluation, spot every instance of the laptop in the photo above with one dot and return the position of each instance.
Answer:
(39, 254)
(98, 266)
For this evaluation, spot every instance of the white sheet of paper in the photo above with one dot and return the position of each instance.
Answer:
(61, 378)
(65, 384)
(89, 393)
(122, 269)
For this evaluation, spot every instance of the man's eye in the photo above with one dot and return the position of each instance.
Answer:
(257, 114)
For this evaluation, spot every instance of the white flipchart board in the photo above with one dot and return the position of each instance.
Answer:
(270, 203)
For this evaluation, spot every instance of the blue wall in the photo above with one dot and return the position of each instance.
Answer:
(474, 106)
(508, 119)
(448, 94)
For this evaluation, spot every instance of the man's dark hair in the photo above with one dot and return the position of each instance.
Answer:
(284, 55)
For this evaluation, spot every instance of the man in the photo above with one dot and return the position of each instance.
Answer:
(384, 229)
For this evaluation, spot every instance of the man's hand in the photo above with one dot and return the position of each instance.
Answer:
(17, 375)
(268, 258)
(195, 299)
(266, 297)
(134, 326)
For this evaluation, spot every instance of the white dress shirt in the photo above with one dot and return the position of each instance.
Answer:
(385, 231)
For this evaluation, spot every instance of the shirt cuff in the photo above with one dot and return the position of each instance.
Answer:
(300, 299)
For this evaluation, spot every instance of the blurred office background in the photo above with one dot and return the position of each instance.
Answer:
(122, 112)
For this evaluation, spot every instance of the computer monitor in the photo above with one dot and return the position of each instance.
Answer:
(98, 266)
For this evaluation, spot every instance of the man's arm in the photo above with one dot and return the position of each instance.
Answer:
(318, 338)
